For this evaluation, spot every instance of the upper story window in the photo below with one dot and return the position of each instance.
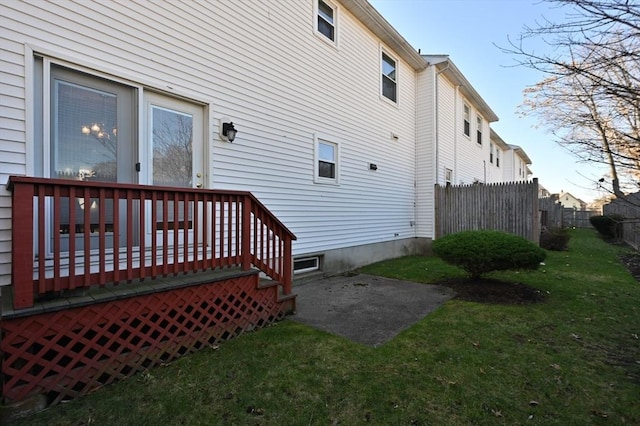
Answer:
(326, 155)
(491, 153)
(326, 20)
(479, 129)
(497, 158)
(389, 77)
(467, 120)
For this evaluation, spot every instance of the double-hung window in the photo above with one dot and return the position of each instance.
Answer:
(491, 153)
(479, 124)
(389, 77)
(467, 120)
(326, 20)
(327, 156)
(497, 158)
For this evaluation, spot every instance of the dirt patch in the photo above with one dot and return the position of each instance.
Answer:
(632, 262)
(493, 291)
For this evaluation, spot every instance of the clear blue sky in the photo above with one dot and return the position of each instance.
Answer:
(467, 31)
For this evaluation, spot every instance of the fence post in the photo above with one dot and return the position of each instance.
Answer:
(22, 244)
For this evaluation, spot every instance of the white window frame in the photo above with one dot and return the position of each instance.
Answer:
(497, 157)
(479, 129)
(491, 148)
(448, 176)
(317, 140)
(383, 76)
(466, 120)
(316, 267)
(316, 15)
(41, 165)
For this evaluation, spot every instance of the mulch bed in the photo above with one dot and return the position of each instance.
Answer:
(493, 291)
(509, 293)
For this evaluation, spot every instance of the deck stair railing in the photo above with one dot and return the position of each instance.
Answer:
(70, 234)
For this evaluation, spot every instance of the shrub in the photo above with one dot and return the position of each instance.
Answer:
(608, 226)
(479, 252)
(555, 239)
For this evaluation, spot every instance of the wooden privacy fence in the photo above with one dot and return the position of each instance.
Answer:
(509, 207)
(629, 208)
(554, 215)
(572, 218)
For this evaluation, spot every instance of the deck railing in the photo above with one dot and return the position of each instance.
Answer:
(75, 234)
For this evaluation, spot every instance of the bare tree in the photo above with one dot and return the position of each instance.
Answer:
(591, 93)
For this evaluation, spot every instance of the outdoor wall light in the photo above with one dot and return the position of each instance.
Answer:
(228, 131)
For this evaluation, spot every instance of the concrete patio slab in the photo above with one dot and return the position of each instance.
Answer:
(364, 308)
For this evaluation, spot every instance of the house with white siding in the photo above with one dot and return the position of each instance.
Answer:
(569, 201)
(342, 127)
(324, 108)
(498, 150)
(165, 167)
(455, 120)
(516, 164)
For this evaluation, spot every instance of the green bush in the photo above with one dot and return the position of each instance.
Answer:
(479, 252)
(609, 226)
(555, 239)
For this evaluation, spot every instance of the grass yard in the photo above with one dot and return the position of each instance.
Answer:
(573, 359)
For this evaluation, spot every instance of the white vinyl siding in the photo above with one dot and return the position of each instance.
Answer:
(229, 55)
(12, 139)
(425, 154)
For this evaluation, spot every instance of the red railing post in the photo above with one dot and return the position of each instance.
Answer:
(287, 274)
(246, 232)
(22, 244)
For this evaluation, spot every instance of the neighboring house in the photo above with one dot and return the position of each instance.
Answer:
(454, 119)
(516, 164)
(543, 192)
(342, 127)
(498, 150)
(569, 201)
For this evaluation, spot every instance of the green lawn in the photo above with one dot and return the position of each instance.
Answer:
(573, 360)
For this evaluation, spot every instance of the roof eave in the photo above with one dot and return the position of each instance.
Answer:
(445, 65)
(376, 23)
(518, 150)
(498, 140)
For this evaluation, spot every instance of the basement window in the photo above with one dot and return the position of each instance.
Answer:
(306, 264)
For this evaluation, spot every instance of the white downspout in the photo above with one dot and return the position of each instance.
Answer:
(456, 123)
(437, 120)
(435, 125)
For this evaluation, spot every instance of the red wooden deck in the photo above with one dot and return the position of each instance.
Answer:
(148, 275)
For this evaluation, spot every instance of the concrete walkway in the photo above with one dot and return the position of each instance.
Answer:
(364, 308)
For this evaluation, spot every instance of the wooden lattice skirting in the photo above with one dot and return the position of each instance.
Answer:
(67, 353)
